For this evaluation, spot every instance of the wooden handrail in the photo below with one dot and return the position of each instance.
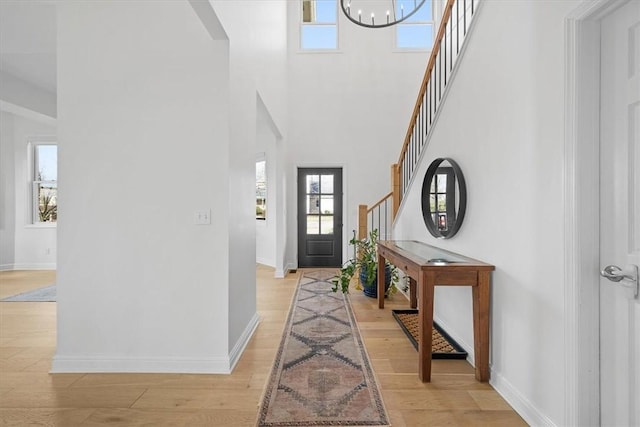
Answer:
(381, 201)
(452, 33)
(427, 75)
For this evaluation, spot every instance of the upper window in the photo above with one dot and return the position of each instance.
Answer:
(319, 27)
(45, 183)
(417, 31)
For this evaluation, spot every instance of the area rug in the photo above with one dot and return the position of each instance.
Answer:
(442, 345)
(46, 294)
(322, 375)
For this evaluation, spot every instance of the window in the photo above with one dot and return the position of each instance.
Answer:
(319, 192)
(442, 189)
(319, 29)
(45, 183)
(261, 189)
(417, 31)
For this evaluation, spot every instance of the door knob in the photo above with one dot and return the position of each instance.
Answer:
(617, 274)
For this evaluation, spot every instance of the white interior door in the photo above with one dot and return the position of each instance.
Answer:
(620, 216)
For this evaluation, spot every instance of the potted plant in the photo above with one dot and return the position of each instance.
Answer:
(366, 263)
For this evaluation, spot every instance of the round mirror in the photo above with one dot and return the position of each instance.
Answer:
(444, 198)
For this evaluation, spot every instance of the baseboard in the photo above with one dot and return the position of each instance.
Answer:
(6, 267)
(265, 261)
(70, 364)
(242, 342)
(532, 415)
(457, 338)
(28, 266)
(281, 274)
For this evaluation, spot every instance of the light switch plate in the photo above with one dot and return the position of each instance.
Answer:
(202, 217)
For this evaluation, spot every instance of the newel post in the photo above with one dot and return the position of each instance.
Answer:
(395, 189)
(362, 222)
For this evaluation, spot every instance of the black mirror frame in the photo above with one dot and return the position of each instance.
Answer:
(426, 208)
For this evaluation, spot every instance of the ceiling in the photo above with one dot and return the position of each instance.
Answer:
(28, 41)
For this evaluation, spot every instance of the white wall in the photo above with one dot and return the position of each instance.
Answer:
(349, 109)
(257, 51)
(24, 246)
(7, 193)
(143, 119)
(18, 92)
(266, 146)
(503, 123)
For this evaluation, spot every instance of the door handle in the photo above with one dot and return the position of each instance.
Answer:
(617, 274)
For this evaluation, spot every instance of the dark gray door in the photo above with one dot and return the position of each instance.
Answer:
(319, 217)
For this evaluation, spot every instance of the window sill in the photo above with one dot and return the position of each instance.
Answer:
(322, 51)
(42, 225)
(411, 50)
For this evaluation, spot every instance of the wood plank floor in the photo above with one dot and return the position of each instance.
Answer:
(29, 395)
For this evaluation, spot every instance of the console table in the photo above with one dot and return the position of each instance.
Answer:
(427, 267)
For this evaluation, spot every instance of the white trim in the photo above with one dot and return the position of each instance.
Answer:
(242, 342)
(281, 274)
(523, 406)
(41, 225)
(581, 212)
(70, 364)
(264, 261)
(32, 266)
(20, 111)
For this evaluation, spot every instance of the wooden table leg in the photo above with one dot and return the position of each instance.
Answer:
(413, 297)
(381, 278)
(481, 296)
(426, 283)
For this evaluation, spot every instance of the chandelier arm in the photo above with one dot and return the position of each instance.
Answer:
(346, 10)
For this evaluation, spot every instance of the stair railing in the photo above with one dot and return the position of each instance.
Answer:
(379, 216)
(454, 27)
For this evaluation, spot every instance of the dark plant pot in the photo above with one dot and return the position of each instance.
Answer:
(372, 289)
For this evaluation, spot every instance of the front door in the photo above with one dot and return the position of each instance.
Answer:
(620, 217)
(319, 217)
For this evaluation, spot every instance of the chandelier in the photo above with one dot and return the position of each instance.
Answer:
(379, 13)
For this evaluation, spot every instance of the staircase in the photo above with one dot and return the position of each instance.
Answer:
(449, 45)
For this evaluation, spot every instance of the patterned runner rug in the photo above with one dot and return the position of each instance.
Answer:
(322, 375)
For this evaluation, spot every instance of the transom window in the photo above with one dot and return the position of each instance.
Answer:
(417, 32)
(45, 183)
(319, 25)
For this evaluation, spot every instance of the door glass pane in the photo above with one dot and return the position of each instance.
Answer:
(327, 224)
(326, 205)
(432, 202)
(442, 183)
(442, 222)
(313, 224)
(326, 184)
(442, 202)
(313, 184)
(313, 204)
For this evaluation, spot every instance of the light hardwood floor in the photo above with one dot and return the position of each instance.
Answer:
(29, 395)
